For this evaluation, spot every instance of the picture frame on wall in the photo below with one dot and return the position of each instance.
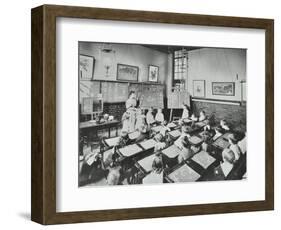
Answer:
(86, 67)
(199, 88)
(55, 196)
(127, 73)
(153, 73)
(223, 88)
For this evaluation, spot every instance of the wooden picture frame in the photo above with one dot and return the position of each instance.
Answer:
(86, 67)
(153, 73)
(223, 88)
(199, 88)
(43, 160)
(127, 73)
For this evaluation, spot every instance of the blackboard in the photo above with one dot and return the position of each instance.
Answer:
(89, 89)
(137, 88)
(152, 96)
(114, 91)
(177, 98)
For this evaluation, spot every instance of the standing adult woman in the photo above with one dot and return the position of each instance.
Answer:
(131, 110)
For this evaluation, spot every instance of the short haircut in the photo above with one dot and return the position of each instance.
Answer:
(228, 155)
(185, 142)
(206, 136)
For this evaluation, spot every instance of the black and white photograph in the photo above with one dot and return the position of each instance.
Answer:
(158, 114)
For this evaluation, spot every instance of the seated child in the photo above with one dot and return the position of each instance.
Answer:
(193, 117)
(218, 132)
(150, 117)
(159, 117)
(243, 144)
(224, 125)
(184, 133)
(126, 121)
(114, 174)
(205, 146)
(157, 164)
(186, 152)
(185, 112)
(164, 128)
(202, 116)
(234, 146)
(207, 127)
(143, 133)
(222, 171)
(124, 139)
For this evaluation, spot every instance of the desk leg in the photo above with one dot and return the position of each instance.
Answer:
(116, 130)
(109, 132)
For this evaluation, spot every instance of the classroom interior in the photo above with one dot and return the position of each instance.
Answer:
(154, 114)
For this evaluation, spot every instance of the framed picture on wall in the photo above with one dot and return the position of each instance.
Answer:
(153, 73)
(223, 88)
(127, 72)
(86, 67)
(61, 159)
(198, 88)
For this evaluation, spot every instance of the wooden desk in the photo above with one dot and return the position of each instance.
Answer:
(110, 142)
(203, 159)
(130, 150)
(175, 133)
(145, 164)
(183, 173)
(172, 125)
(221, 143)
(88, 127)
(172, 151)
(195, 140)
(153, 178)
(148, 144)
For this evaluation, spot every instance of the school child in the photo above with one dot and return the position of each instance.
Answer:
(150, 117)
(140, 120)
(186, 152)
(202, 116)
(243, 144)
(143, 133)
(207, 126)
(222, 171)
(126, 121)
(193, 117)
(159, 117)
(185, 112)
(205, 146)
(184, 133)
(114, 173)
(224, 125)
(157, 164)
(234, 146)
(218, 132)
(123, 139)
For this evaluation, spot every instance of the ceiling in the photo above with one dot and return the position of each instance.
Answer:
(169, 49)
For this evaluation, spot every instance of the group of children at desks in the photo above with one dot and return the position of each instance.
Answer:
(150, 150)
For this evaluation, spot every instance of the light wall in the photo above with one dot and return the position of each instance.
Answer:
(135, 55)
(217, 65)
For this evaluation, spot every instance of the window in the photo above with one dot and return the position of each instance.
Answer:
(180, 58)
